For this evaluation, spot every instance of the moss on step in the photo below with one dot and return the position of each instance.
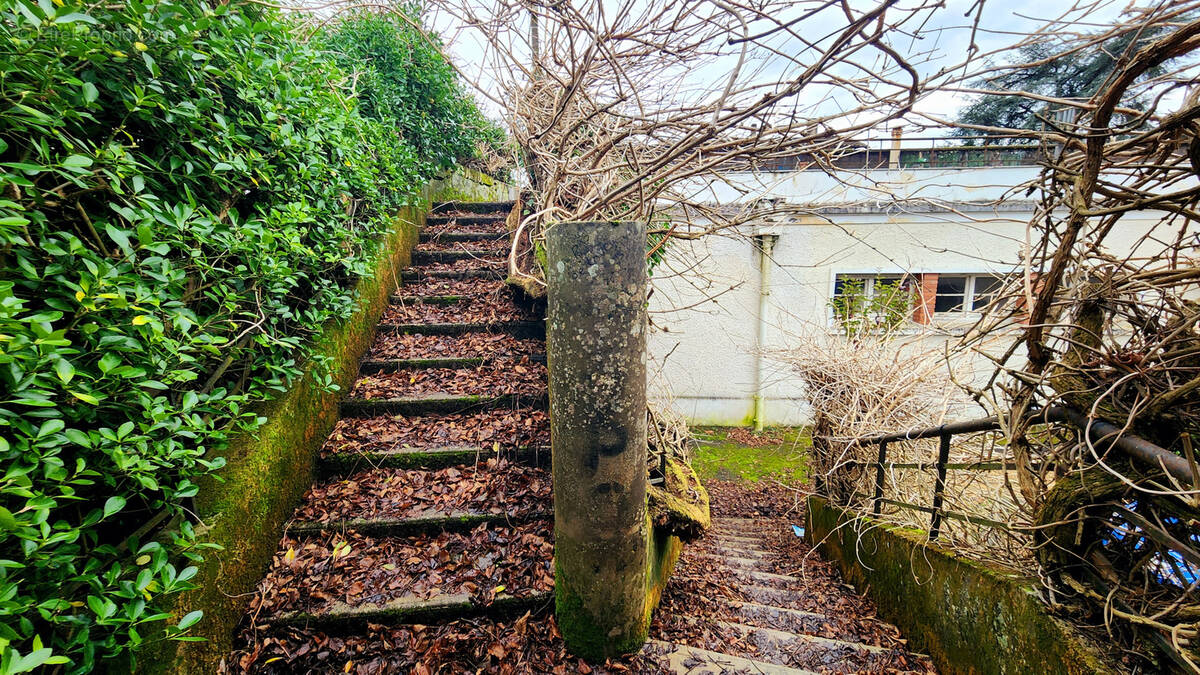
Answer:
(405, 527)
(785, 458)
(432, 458)
(430, 405)
(408, 610)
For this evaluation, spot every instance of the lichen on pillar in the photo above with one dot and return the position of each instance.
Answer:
(596, 346)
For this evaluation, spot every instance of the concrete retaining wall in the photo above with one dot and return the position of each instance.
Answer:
(469, 185)
(969, 617)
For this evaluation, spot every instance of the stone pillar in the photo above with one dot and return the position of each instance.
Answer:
(596, 345)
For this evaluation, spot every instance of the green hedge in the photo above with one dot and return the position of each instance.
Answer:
(188, 191)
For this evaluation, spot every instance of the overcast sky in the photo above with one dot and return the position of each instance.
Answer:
(946, 37)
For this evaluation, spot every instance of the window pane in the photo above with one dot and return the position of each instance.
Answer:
(889, 287)
(986, 288)
(950, 292)
(849, 296)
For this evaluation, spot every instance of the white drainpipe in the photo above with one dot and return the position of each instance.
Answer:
(766, 242)
(894, 156)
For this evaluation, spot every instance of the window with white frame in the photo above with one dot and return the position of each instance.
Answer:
(962, 293)
(868, 284)
(888, 299)
(872, 300)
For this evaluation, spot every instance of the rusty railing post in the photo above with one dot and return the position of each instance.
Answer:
(877, 507)
(596, 346)
(939, 488)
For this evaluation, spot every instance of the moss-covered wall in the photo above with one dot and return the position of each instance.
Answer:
(968, 617)
(664, 553)
(469, 185)
(267, 472)
(678, 509)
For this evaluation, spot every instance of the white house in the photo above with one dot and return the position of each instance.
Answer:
(722, 304)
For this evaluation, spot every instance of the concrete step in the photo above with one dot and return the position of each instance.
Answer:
(720, 520)
(427, 299)
(417, 275)
(521, 329)
(809, 651)
(462, 236)
(472, 207)
(720, 547)
(393, 365)
(747, 543)
(738, 535)
(433, 523)
(435, 404)
(777, 597)
(740, 530)
(778, 582)
(780, 618)
(482, 219)
(766, 636)
(412, 610)
(685, 660)
(425, 457)
(427, 257)
(749, 525)
(728, 560)
(499, 291)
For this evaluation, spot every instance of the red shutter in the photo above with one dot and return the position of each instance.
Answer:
(926, 297)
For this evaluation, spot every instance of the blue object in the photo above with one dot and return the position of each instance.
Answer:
(798, 530)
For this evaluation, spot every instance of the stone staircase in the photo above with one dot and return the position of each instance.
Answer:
(729, 610)
(433, 502)
(426, 543)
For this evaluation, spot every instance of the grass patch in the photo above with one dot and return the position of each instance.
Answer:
(736, 453)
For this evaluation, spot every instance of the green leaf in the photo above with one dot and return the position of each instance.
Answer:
(73, 17)
(86, 398)
(8, 521)
(51, 427)
(190, 619)
(256, 213)
(108, 362)
(32, 660)
(65, 370)
(78, 437)
(120, 237)
(113, 505)
(77, 162)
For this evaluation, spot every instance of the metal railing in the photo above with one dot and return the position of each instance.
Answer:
(1101, 435)
(909, 153)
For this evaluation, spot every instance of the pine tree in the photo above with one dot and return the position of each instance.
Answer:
(1073, 75)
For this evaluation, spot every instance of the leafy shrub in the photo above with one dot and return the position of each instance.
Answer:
(401, 77)
(187, 192)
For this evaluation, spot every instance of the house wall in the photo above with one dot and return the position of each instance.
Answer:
(705, 306)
